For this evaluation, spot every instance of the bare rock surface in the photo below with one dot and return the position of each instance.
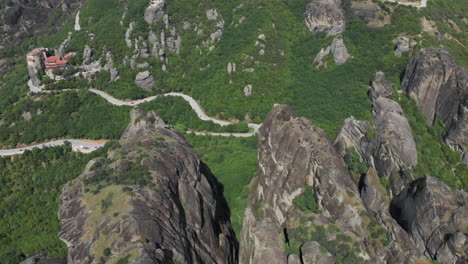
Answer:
(440, 88)
(145, 80)
(389, 147)
(337, 49)
(325, 16)
(435, 217)
(151, 199)
(154, 11)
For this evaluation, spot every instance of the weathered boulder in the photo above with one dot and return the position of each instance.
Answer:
(371, 13)
(325, 16)
(312, 254)
(339, 51)
(248, 90)
(154, 11)
(373, 194)
(380, 86)
(150, 200)
(87, 53)
(145, 81)
(440, 88)
(435, 217)
(402, 45)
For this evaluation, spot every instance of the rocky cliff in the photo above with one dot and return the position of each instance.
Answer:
(325, 16)
(304, 204)
(435, 217)
(439, 87)
(389, 146)
(151, 200)
(23, 19)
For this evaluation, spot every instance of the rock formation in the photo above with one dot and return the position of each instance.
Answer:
(325, 16)
(150, 200)
(295, 155)
(389, 147)
(145, 80)
(439, 87)
(154, 11)
(402, 45)
(371, 13)
(25, 19)
(339, 51)
(435, 217)
(248, 90)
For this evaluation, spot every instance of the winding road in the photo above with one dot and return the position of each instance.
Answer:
(87, 146)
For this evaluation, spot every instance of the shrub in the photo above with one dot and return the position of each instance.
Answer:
(306, 202)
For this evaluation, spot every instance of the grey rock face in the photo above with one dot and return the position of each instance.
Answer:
(380, 86)
(87, 53)
(312, 254)
(145, 80)
(179, 218)
(39, 259)
(25, 19)
(114, 74)
(435, 217)
(402, 46)
(373, 194)
(325, 16)
(212, 14)
(293, 154)
(439, 87)
(339, 51)
(64, 45)
(389, 147)
(248, 90)
(154, 11)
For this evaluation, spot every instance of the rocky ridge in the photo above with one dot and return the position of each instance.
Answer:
(389, 147)
(294, 155)
(151, 200)
(440, 88)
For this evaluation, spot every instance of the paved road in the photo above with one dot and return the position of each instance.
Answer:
(86, 147)
(422, 4)
(193, 103)
(77, 145)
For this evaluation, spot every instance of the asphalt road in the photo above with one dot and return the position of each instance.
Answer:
(77, 145)
(193, 103)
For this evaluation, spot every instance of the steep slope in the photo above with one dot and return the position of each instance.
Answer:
(304, 194)
(151, 200)
(439, 86)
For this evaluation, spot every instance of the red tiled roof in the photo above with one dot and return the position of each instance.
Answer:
(68, 55)
(61, 62)
(52, 59)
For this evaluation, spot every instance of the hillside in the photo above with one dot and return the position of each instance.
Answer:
(383, 83)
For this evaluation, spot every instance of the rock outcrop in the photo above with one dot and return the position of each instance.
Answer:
(403, 45)
(150, 200)
(337, 49)
(440, 88)
(389, 147)
(295, 157)
(435, 217)
(25, 19)
(145, 80)
(154, 11)
(371, 13)
(325, 16)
